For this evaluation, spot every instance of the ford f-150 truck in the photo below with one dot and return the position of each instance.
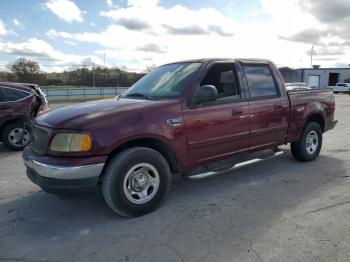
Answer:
(193, 117)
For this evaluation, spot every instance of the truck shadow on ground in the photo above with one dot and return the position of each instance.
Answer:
(203, 218)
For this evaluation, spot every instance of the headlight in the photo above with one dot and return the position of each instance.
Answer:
(70, 142)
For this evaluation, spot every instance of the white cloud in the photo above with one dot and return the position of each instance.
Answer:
(186, 34)
(3, 30)
(143, 3)
(144, 33)
(43, 52)
(145, 39)
(110, 3)
(67, 10)
(52, 33)
(70, 43)
(312, 22)
(148, 16)
(17, 23)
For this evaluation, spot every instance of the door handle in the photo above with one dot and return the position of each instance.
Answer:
(277, 106)
(236, 112)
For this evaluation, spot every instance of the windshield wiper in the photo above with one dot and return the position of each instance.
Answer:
(136, 94)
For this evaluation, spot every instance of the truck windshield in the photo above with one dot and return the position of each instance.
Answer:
(165, 82)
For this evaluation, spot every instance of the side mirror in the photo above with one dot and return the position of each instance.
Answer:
(206, 93)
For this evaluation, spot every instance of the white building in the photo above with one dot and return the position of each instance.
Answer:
(323, 77)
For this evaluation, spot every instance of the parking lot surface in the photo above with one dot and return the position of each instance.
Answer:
(277, 210)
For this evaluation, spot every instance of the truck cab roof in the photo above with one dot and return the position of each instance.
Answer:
(233, 60)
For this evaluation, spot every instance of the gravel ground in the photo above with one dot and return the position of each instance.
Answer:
(277, 210)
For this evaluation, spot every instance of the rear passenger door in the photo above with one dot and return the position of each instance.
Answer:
(269, 108)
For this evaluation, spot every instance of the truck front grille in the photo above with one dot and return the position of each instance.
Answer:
(39, 140)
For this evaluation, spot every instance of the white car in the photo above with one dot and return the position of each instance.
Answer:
(341, 88)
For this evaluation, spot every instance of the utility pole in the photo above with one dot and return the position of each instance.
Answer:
(93, 74)
(312, 54)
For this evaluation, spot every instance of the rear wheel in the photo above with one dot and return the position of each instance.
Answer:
(136, 181)
(15, 137)
(308, 147)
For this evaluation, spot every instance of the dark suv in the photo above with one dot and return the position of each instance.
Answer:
(19, 103)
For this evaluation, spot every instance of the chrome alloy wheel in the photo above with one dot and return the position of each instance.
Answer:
(17, 138)
(311, 142)
(141, 183)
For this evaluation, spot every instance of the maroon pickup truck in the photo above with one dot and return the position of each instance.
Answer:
(197, 118)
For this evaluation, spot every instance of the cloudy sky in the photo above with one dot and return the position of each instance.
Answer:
(139, 33)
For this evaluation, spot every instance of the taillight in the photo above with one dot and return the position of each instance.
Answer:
(43, 109)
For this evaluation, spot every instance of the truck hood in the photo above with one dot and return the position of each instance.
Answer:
(94, 114)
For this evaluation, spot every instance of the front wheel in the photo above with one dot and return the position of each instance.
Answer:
(136, 181)
(308, 147)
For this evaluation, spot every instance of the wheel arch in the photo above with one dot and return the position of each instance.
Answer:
(10, 121)
(318, 118)
(153, 143)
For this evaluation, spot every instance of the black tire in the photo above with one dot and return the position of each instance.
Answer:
(5, 136)
(299, 148)
(116, 172)
(335, 92)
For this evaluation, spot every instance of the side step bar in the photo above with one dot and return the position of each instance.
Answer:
(235, 166)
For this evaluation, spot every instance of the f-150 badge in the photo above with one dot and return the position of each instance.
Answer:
(175, 122)
(300, 108)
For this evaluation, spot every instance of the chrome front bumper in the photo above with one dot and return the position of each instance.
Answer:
(64, 172)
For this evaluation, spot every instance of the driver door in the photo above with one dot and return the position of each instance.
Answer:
(218, 129)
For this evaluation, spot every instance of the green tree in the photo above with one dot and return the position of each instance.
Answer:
(27, 71)
(150, 68)
(24, 70)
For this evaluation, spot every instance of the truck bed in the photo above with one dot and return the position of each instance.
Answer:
(302, 103)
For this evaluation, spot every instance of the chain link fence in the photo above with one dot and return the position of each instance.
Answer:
(62, 94)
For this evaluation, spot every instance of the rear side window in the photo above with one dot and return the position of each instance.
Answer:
(10, 94)
(260, 81)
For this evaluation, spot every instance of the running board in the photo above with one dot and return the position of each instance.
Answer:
(235, 166)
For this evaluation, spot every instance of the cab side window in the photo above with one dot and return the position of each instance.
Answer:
(260, 81)
(224, 78)
(10, 94)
